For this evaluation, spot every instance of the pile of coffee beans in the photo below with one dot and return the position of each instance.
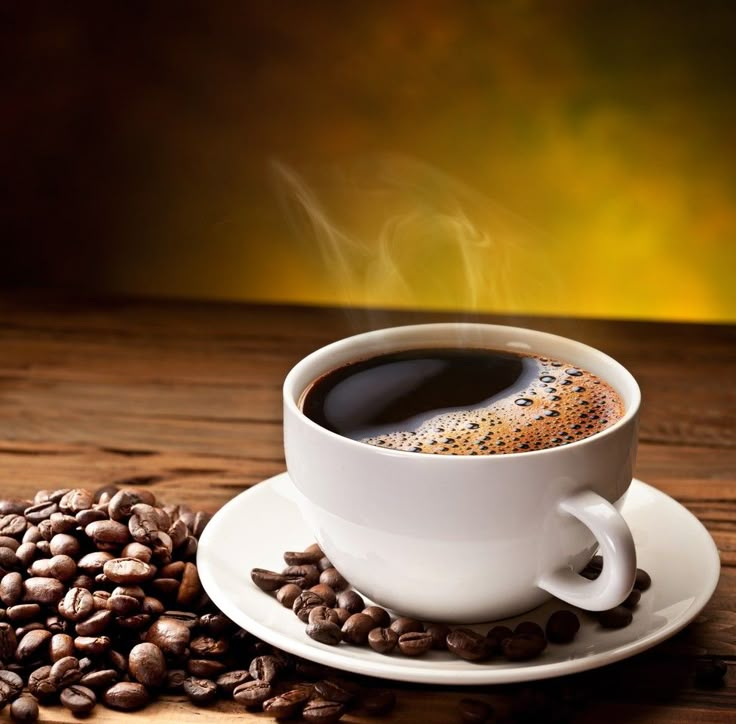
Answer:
(100, 602)
(334, 613)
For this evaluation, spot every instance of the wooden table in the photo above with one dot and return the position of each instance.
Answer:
(184, 398)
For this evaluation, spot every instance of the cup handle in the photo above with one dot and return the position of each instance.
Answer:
(616, 546)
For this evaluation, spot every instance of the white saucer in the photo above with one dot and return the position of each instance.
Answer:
(255, 528)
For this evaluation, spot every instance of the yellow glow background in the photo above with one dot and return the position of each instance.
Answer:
(596, 141)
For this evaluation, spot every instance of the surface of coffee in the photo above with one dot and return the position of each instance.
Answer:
(462, 402)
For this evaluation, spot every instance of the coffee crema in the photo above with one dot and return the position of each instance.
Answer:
(454, 401)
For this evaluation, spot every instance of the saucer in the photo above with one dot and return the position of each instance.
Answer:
(256, 527)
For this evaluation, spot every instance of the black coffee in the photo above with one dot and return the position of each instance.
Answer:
(462, 402)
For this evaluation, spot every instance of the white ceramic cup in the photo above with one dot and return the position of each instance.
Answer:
(467, 538)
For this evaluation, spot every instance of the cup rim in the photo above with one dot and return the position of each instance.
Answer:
(291, 396)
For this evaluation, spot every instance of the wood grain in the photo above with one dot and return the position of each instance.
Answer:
(184, 398)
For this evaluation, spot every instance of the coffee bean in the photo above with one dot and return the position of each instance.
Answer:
(121, 504)
(127, 571)
(143, 523)
(311, 555)
(342, 615)
(617, 617)
(63, 544)
(415, 643)
(350, 600)
(8, 561)
(321, 614)
(264, 668)
(383, 640)
(186, 618)
(380, 616)
(190, 587)
(42, 685)
(523, 646)
(529, 627)
(123, 605)
(304, 603)
(252, 694)
(467, 644)
(147, 665)
(378, 702)
(208, 646)
(137, 550)
(102, 679)
(324, 563)
(8, 642)
(287, 705)
(326, 632)
(322, 710)
(108, 535)
(642, 581)
(80, 700)
(632, 600)
(356, 629)
(178, 532)
(60, 645)
(286, 595)
(92, 645)
(25, 553)
(201, 692)
(561, 627)
(11, 588)
(44, 591)
(24, 710)
(268, 580)
(66, 671)
(76, 500)
(14, 505)
(334, 579)
(205, 668)
(325, 593)
(438, 632)
(308, 573)
(77, 604)
(93, 563)
(11, 686)
(710, 673)
(126, 696)
(33, 646)
(336, 689)
(85, 517)
(404, 624)
(23, 613)
(170, 635)
(227, 683)
(474, 711)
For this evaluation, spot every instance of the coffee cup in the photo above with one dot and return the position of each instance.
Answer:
(467, 538)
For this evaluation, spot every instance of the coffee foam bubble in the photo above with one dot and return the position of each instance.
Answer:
(560, 405)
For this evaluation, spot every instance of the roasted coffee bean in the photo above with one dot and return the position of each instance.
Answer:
(307, 573)
(336, 689)
(342, 615)
(170, 635)
(93, 563)
(32, 535)
(264, 668)
(23, 612)
(76, 500)
(252, 694)
(643, 580)
(190, 588)
(187, 618)
(208, 646)
(101, 679)
(128, 571)
(136, 622)
(63, 544)
(404, 624)
(108, 534)
(137, 550)
(561, 627)
(200, 692)
(24, 710)
(632, 600)
(44, 591)
(523, 646)
(321, 614)
(495, 638)
(325, 593)
(80, 700)
(380, 616)
(334, 579)
(121, 504)
(126, 696)
(8, 542)
(12, 525)
(143, 523)
(311, 555)
(617, 617)
(172, 570)
(325, 631)
(147, 665)
(14, 505)
(152, 606)
(66, 671)
(62, 524)
(474, 711)
(11, 588)
(378, 702)
(26, 553)
(178, 533)
(324, 563)
(175, 679)
(39, 512)
(351, 601)
(21, 631)
(227, 682)
(104, 493)
(60, 567)
(383, 640)
(438, 632)
(205, 668)
(92, 645)
(85, 517)
(287, 705)
(710, 673)
(95, 625)
(8, 560)
(122, 605)
(467, 644)
(8, 642)
(60, 645)
(415, 643)
(11, 686)
(33, 646)
(530, 628)
(42, 685)
(356, 629)
(77, 605)
(304, 603)
(323, 711)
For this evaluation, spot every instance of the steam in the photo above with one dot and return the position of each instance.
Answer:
(392, 231)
